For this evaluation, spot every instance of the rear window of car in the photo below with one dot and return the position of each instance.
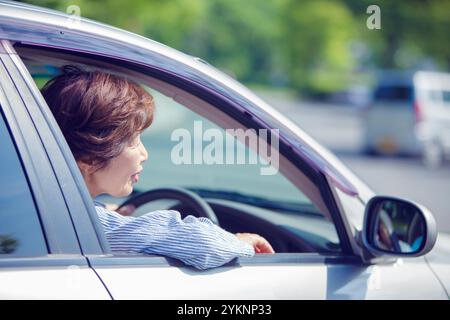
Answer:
(393, 93)
(20, 228)
(446, 97)
(439, 96)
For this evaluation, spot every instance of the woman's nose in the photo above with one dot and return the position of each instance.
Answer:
(144, 152)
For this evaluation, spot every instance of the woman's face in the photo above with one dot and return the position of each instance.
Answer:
(118, 177)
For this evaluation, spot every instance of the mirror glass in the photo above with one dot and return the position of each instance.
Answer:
(397, 227)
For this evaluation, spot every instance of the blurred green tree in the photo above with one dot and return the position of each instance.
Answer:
(235, 36)
(411, 31)
(241, 37)
(313, 46)
(317, 35)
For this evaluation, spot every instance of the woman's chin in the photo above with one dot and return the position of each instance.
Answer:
(124, 192)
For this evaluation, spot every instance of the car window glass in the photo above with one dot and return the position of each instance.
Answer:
(393, 93)
(435, 95)
(20, 228)
(446, 97)
(441, 97)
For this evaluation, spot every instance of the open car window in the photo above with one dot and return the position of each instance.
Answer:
(189, 146)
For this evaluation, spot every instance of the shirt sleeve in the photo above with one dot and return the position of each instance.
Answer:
(195, 241)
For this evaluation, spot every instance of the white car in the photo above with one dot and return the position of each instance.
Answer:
(390, 118)
(433, 127)
(334, 238)
(409, 115)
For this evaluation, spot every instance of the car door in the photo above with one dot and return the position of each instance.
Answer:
(40, 256)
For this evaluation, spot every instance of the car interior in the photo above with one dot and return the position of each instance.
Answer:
(291, 227)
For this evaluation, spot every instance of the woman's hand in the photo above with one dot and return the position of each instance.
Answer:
(258, 243)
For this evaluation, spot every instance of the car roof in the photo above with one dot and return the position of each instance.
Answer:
(432, 80)
(29, 24)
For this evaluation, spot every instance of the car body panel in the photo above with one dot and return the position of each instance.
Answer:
(439, 260)
(249, 282)
(56, 283)
(404, 279)
(310, 277)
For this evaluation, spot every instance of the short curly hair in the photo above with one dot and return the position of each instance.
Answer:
(98, 112)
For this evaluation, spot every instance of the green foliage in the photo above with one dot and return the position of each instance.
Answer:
(411, 31)
(306, 44)
(238, 36)
(318, 35)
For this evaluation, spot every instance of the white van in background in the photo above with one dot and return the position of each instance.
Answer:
(433, 111)
(410, 115)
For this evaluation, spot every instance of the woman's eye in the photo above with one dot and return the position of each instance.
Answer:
(136, 143)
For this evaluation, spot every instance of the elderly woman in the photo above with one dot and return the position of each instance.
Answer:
(102, 116)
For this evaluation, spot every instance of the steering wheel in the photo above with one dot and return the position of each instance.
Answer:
(186, 197)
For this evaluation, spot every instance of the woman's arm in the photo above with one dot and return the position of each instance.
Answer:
(195, 241)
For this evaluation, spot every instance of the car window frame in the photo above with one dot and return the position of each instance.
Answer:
(61, 242)
(316, 177)
(71, 184)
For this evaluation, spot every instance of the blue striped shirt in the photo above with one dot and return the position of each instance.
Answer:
(195, 241)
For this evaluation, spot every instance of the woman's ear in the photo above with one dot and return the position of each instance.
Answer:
(85, 168)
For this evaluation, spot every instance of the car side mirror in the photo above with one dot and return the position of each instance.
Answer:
(398, 227)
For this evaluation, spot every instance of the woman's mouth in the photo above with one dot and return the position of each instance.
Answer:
(135, 177)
